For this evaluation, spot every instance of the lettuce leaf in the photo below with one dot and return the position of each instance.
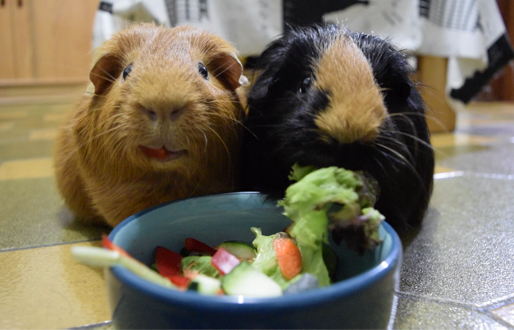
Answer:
(200, 265)
(344, 197)
(265, 259)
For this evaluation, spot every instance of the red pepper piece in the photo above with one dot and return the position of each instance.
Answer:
(179, 280)
(108, 244)
(169, 263)
(197, 246)
(224, 261)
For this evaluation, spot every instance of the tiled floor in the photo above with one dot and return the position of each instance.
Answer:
(458, 270)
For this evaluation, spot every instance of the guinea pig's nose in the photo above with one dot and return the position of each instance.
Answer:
(150, 113)
(176, 112)
(173, 113)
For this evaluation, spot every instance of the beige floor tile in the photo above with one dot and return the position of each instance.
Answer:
(441, 169)
(54, 117)
(32, 213)
(442, 140)
(9, 115)
(43, 134)
(490, 107)
(471, 121)
(44, 288)
(26, 169)
(15, 147)
(7, 125)
(506, 313)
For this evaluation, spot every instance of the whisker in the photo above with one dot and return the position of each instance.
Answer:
(411, 167)
(231, 120)
(399, 144)
(420, 114)
(205, 139)
(398, 155)
(223, 142)
(423, 142)
(107, 76)
(409, 121)
(115, 128)
(217, 74)
(379, 163)
(426, 115)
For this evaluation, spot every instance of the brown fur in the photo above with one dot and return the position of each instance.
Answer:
(100, 169)
(357, 109)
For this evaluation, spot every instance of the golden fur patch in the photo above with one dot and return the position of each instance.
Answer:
(356, 109)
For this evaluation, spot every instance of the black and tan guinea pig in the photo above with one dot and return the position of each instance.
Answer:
(162, 123)
(327, 96)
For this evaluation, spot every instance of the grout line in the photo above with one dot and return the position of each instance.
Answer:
(500, 302)
(47, 245)
(499, 319)
(483, 310)
(481, 307)
(70, 98)
(93, 326)
(413, 296)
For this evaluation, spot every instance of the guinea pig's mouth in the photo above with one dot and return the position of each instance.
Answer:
(162, 154)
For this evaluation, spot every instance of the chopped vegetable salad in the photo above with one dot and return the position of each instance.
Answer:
(322, 201)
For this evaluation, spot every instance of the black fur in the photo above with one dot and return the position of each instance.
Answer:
(281, 129)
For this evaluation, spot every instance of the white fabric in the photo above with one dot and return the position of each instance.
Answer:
(448, 29)
(461, 30)
(248, 24)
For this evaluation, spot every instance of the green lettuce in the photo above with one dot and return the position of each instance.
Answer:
(200, 264)
(265, 259)
(345, 198)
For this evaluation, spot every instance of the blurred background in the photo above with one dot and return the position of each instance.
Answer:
(461, 48)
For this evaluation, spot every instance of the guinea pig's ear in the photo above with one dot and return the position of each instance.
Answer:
(104, 73)
(397, 90)
(260, 89)
(229, 70)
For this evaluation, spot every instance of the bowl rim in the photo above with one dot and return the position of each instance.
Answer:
(334, 291)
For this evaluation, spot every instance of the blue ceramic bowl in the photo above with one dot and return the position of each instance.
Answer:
(363, 297)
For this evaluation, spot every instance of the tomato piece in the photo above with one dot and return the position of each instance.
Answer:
(197, 246)
(289, 257)
(224, 261)
(169, 263)
(179, 280)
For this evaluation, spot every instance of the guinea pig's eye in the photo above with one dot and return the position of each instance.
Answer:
(306, 83)
(126, 72)
(203, 70)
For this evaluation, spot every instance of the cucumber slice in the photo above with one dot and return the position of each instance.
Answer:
(206, 284)
(247, 281)
(241, 250)
(305, 282)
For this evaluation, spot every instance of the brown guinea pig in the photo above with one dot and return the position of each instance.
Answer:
(163, 123)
